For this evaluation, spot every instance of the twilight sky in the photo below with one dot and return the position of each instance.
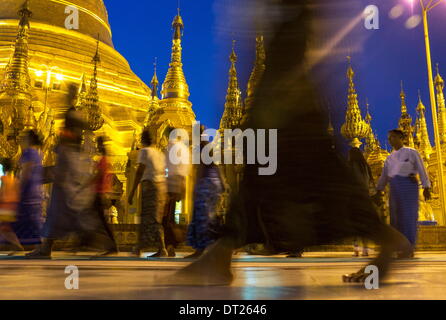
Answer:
(381, 59)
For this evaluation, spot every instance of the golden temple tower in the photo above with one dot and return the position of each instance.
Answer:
(405, 122)
(15, 89)
(439, 86)
(58, 58)
(233, 110)
(256, 74)
(424, 147)
(231, 119)
(354, 127)
(173, 110)
(154, 101)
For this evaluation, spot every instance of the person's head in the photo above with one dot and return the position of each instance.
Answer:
(100, 141)
(356, 155)
(7, 165)
(75, 124)
(30, 139)
(396, 138)
(146, 137)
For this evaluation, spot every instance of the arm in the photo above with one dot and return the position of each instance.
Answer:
(383, 179)
(421, 170)
(136, 181)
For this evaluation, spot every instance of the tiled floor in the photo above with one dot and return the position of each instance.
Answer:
(316, 276)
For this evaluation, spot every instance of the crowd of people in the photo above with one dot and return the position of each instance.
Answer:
(78, 198)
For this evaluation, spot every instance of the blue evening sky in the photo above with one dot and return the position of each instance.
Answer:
(142, 31)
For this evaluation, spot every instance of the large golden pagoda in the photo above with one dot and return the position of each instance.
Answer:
(49, 59)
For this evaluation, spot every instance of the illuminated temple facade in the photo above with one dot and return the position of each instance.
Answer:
(46, 68)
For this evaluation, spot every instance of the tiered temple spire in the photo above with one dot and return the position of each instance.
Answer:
(92, 108)
(425, 147)
(372, 142)
(354, 128)
(154, 101)
(405, 122)
(439, 86)
(175, 85)
(233, 106)
(257, 72)
(15, 89)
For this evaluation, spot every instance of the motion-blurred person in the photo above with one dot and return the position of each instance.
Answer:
(28, 226)
(400, 170)
(362, 171)
(103, 186)
(313, 198)
(178, 168)
(151, 174)
(209, 186)
(72, 195)
(9, 199)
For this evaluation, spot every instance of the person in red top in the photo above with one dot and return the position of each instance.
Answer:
(9, 200)
(103, 186)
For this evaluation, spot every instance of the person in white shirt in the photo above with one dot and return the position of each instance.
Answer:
(178, 168)
(151, 173)
(400, 171)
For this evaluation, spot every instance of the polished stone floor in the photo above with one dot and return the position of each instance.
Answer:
(315, 276)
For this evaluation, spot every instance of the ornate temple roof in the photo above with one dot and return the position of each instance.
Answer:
(92, 13)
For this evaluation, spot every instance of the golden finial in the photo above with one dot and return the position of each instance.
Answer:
(24, 14)
(354, 128)
(368, 117)
(154, 83)
(405, 122)
(425, 146)
(403, 100)
(438, 79)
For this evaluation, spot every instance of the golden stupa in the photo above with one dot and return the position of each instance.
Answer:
(58, 58)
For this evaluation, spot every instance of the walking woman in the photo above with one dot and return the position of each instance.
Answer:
(362, 171)
(151, 174)
(29, 216)
(210, 185)
(71, 196)
(103, 186)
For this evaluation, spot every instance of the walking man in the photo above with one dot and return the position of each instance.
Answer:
(178, 168)
(400, 170)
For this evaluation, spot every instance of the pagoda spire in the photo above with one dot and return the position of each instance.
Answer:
(257, 72)
(233, 105)
(154, 83)
(371, 142)
(425, 147)
(92, 108)
(15, 89)
(354, 128)
(154, 102)
(439, 86)
(175, 85)
(405, 122)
